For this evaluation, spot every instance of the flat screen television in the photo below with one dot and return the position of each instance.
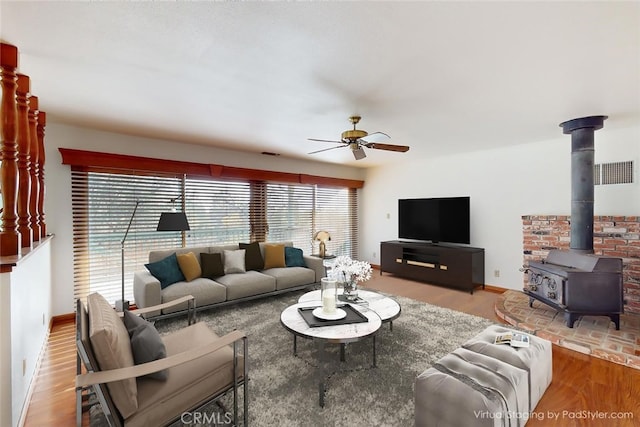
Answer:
(443, 219)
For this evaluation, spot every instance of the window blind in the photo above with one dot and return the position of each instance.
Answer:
(297, 212)
(102, 205)
(220, 211)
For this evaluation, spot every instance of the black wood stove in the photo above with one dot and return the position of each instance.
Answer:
(578, 284)
(576, 281)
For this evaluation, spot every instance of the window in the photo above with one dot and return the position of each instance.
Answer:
(220, 211)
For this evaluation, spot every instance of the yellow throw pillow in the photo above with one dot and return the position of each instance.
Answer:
(274, 256)
(189, 266)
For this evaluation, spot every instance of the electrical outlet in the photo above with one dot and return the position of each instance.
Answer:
(388, 216)
(374, 254)
(496, 273)
(24, 367)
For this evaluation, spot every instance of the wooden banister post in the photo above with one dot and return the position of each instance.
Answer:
(9, 237)
(33, 171)
(42, 123)
(24, 162)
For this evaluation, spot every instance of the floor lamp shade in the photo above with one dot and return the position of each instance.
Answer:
(173, 221)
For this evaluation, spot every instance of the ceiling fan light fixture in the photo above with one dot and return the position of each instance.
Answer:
(359, 153)
(354, 139)
(352, 135)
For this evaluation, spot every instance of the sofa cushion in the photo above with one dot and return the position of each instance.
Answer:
(291, 276)
(205, 291)
(212, 265)
(274, 256)
(146, 344)
(245, 285)
(167, 270)
(112, 349)
(253, 256)
(234, 261)
(294, 257)
(189, 265)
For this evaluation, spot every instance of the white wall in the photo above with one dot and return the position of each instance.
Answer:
(503, 184)
(58, 182)
(24, 324)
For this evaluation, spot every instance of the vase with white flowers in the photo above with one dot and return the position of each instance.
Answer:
(349, 272)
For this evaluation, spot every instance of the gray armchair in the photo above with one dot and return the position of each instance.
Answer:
(199, 368)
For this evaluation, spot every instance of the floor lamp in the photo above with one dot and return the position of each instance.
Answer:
(169, 221)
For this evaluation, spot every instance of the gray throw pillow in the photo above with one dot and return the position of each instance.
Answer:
(146, 344)
(234, 261)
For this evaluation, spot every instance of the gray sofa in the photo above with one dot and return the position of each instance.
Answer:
(226, 289)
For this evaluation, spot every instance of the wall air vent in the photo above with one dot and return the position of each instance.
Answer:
(613, 173)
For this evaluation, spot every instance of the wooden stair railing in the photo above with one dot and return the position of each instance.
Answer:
(24, 162)
(22, 157)
(33, 171)
(42, 123)
(9, 237)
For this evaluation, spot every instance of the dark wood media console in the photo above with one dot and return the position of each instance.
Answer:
(460, 267)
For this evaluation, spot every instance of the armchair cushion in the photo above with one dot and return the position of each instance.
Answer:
(188, 382)
(294, 257)
(167, 270)
(146, 344)
(111, 346)
(274, 256)
(189, 266)
(253, 256)
(212, 265)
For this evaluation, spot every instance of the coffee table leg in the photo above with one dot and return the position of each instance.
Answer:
(342, 351)
(320, 371)
(295, 345)
(374, 352)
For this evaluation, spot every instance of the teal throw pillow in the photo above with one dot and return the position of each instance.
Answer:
(293, 257)
(167, 270)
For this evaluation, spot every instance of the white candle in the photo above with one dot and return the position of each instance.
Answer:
(328, 303)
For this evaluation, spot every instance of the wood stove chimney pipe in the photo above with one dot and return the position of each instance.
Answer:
(582, 160)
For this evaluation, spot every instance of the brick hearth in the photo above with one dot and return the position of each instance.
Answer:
(616, 236)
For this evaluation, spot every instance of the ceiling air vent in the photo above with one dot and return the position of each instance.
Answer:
(613, 173)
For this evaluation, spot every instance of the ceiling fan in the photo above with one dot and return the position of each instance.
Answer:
(357, 139)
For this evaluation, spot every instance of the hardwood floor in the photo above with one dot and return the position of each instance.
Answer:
(585, 391)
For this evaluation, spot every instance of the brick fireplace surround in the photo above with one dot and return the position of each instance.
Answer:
(616, 236)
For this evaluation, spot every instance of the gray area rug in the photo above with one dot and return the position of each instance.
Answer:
(283, 388)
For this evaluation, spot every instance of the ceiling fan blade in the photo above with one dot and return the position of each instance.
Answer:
(325, 140)
(327, 149)
(375, 137)
(388, 147)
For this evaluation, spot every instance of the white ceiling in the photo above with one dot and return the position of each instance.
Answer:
(441, 77)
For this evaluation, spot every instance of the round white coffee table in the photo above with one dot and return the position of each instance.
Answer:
(386, 308)
(293, 321)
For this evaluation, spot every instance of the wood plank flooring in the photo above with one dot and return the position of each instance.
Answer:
(585, 391)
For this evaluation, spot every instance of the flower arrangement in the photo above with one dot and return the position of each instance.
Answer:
(346, 269)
